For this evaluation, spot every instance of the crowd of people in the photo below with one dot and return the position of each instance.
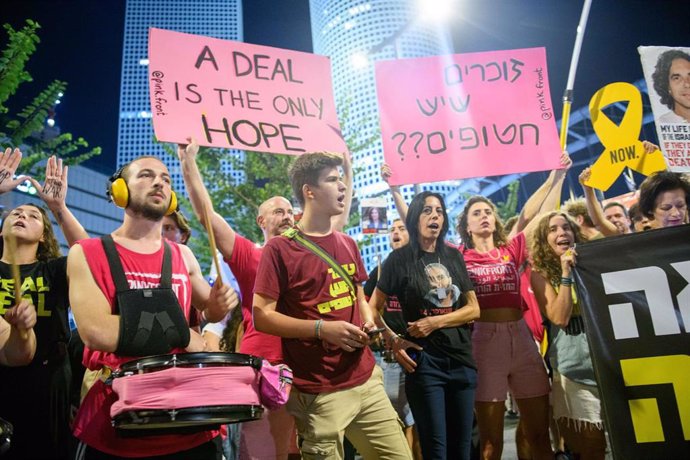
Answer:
(411, 364)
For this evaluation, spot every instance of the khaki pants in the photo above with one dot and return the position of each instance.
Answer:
(364, 414)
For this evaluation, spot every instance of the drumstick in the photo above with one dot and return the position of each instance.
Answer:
(212, 243)
(12, 246)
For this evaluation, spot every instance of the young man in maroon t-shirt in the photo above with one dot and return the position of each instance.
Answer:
(257, 439)
(337, 389)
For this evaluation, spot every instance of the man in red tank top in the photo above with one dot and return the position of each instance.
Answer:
(104, 324)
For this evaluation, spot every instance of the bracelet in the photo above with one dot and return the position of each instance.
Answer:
(317, 328)
(393, 338)
(566, 281)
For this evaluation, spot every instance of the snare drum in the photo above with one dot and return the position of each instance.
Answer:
(185, 392)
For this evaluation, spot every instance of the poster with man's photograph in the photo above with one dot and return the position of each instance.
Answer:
(374, 215)
(667, 73)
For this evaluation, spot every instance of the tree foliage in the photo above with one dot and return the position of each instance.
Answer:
(24, 127)
(508, 208)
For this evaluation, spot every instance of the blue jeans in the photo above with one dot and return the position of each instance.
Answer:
(441, 395)
(394, 383)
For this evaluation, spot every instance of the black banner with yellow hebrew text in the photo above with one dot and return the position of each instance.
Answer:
(635, 293)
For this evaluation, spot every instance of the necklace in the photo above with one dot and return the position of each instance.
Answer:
(497, 256)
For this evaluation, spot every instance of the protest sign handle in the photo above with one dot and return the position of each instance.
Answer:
(568, 95)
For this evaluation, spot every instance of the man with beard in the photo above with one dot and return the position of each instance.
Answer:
(164, 280)
(242, 256)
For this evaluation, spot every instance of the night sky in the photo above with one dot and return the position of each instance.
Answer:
(81, 43)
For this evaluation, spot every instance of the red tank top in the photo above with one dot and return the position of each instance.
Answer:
(92, 423)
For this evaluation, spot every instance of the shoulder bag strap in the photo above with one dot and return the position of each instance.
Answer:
(296, 235)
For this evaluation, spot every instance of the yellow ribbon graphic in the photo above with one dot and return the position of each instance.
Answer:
(622, 146)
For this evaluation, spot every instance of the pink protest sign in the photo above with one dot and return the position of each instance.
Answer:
(236, 95)
(467, 115)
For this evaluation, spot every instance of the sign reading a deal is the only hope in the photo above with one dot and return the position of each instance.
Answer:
(467, 115)
(235, 95)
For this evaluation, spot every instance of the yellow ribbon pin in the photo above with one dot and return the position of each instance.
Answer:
(622, 147)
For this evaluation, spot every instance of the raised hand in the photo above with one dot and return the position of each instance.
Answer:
(54, 190)
(585, 175)
(386, 172)
(9, 162)
(188, 151)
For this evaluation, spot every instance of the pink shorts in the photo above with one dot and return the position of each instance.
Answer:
(507, 358)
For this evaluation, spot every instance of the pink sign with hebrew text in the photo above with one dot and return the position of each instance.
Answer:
(236, 95)
(467, 115)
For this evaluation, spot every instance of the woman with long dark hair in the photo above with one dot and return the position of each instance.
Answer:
(431, 283)
(575, 397)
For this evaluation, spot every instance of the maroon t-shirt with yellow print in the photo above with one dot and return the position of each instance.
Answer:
(305, 287)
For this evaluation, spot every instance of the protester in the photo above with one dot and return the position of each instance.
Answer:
(575, 396)
(315, 302)
(614, 218)
(108, 320)
(664, 197)
(493, 261)
(430, 281)
(640, 222)
(393, 373)
(39, 407)
(577, 209)
(176, 228)
(275, 216)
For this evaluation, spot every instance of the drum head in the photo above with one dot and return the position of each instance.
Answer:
(202, 359)
(188, 420)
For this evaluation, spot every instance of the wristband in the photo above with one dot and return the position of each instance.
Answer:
(317, 328)
(566, 281)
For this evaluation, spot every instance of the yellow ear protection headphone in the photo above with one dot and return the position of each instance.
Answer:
(118, 193)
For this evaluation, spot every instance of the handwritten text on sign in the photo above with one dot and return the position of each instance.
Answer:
(236, 95)
(467, 115)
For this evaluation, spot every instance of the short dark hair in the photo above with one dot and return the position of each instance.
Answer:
(616, 203)
(306, 169)
(123, 172)
(658, 183)
(634, 213)
(661, 74)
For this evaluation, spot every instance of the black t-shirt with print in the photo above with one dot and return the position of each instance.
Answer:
(392, 311)
(36, 397)
(442, 292)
